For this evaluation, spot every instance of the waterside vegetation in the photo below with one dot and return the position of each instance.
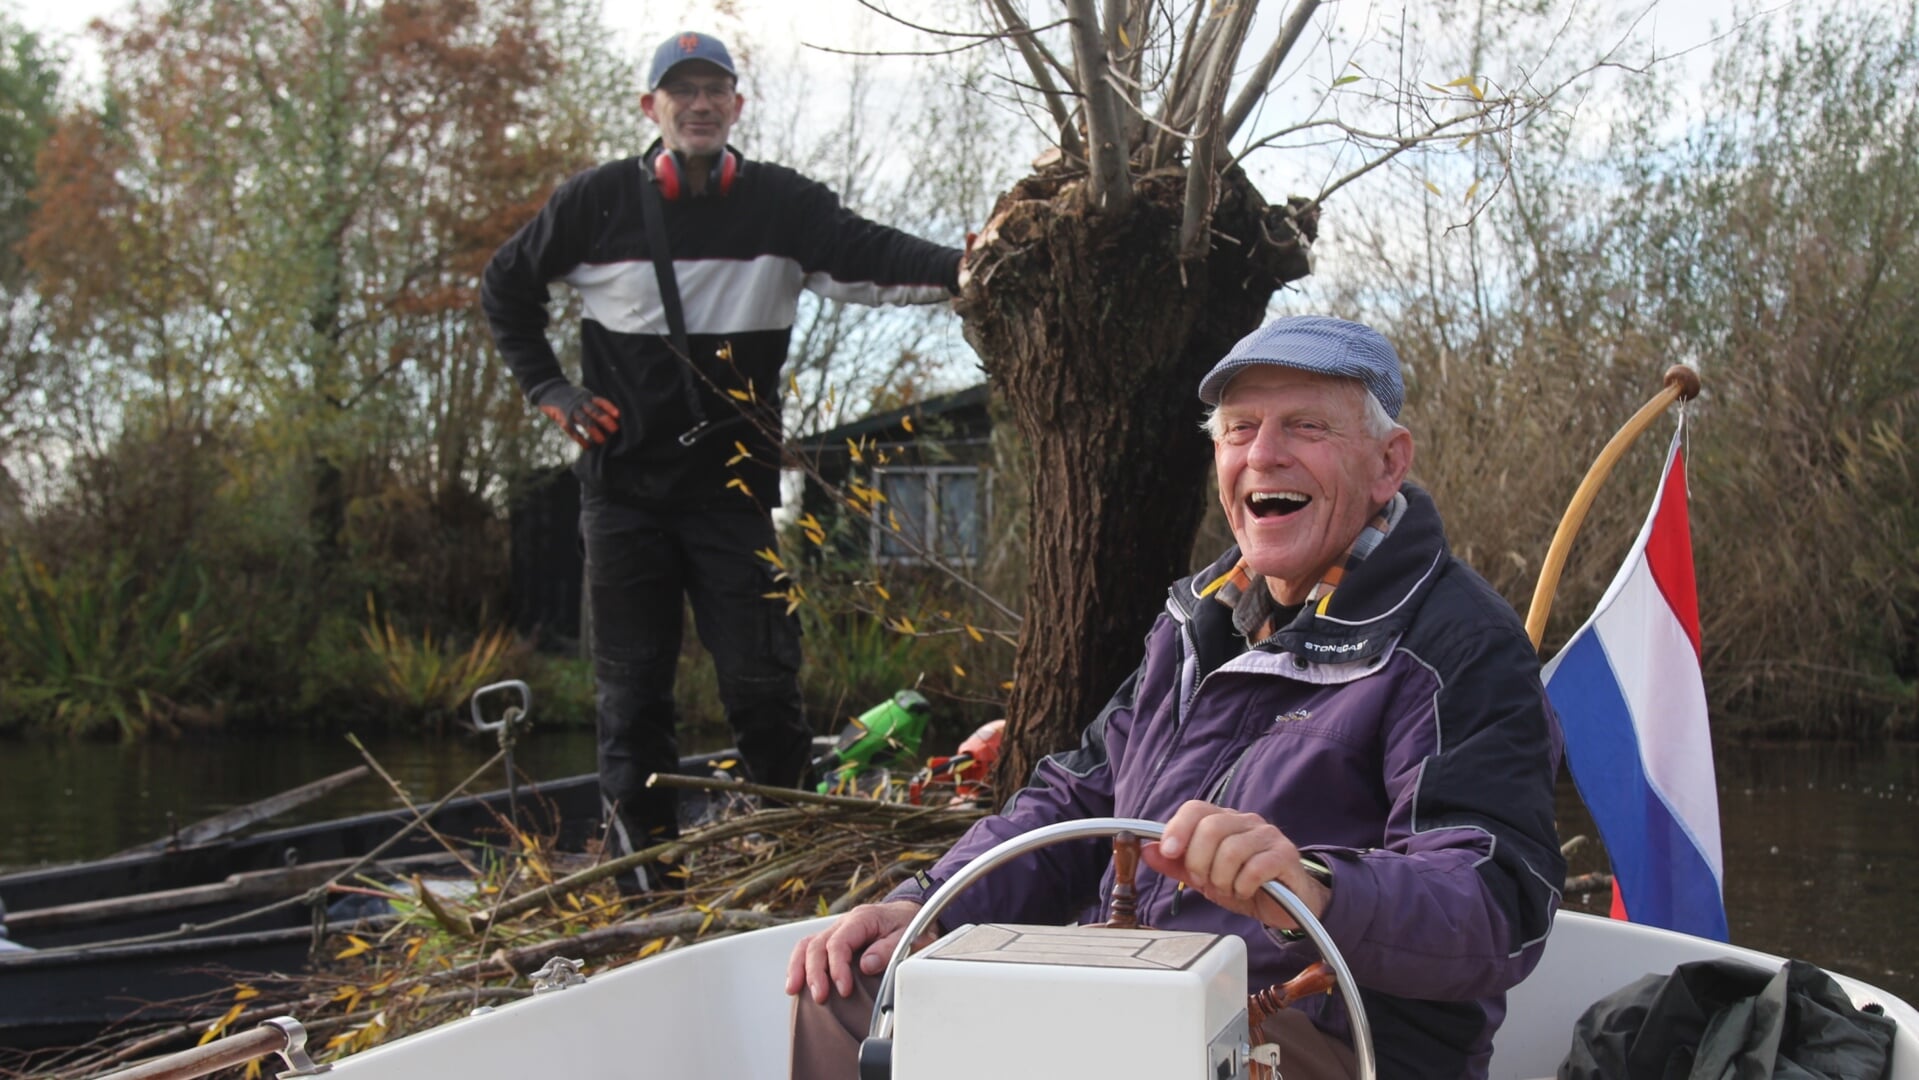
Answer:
(256, 455)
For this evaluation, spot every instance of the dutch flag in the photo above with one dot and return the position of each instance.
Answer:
(1628, 691)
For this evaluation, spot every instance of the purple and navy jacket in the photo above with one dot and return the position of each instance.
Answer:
(1401, 736)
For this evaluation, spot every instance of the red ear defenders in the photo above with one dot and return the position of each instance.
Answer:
(669, 169)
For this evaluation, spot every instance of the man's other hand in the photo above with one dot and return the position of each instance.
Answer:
(865, 935)
(587, 419)
(1228, 856)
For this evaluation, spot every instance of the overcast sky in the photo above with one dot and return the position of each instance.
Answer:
(1682, 28)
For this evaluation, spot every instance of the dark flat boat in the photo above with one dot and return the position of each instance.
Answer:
(78, 973)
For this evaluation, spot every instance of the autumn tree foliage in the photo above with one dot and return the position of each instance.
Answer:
(260, 250)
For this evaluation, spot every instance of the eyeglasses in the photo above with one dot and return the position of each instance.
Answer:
(686, 93)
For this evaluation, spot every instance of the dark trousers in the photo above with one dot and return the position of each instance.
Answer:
(641, 563)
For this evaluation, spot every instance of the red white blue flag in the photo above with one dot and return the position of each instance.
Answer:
(1629, 694)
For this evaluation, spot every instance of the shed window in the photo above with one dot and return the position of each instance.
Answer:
(929, 512)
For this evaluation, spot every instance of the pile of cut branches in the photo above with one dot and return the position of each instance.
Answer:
(766, 857)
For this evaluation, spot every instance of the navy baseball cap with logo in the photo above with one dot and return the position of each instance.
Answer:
(688, 45)
(1316, 343)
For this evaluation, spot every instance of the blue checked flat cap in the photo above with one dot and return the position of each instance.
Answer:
(688, 45)
(1317, 343)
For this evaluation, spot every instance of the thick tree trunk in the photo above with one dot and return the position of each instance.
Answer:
(1096, 341)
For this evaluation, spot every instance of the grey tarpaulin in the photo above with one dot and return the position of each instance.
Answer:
(1729, 1020)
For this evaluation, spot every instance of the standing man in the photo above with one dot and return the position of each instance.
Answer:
(689, 261)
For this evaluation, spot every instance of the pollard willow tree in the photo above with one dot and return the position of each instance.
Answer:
(1107, 282)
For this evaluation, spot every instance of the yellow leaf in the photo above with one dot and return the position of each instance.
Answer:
(413, 947)
(853, 449)
(771, 556)
(1470, 192)
(893, 520)
(809, 522)
(652, 947)
(739, 395)
(905, 626)
(253, 1070)
(960, 671)
(345, 993)
(706, 922)
(793, 384)
(356, 947)
(916, 856)
(881, 589)
(419, 990)
(820, 906)
(728, 763)
(243, 992)
(214, 1029)
(736, 482)
(574, 902)
(725, 351)
(1478, 94)
(907, 423)
(973, 632)
(1463, 80)
(1123, 38)
(1007, 685)
(1432, 187)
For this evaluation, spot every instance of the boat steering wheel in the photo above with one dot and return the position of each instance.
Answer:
(876, 1051)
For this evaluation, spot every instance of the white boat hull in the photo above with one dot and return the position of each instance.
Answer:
(718, 1009)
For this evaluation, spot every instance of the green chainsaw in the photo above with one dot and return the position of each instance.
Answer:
(888, 731)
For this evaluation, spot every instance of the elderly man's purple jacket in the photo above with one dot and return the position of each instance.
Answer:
(1402, 736)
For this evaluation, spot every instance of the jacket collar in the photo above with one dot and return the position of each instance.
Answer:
(1372, 606)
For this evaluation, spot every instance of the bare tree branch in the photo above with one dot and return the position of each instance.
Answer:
(1170, 120)
(1029, 51)
(1111, 180)
(1262, 77)
(910, 25)
(1201, 178)
(1120, 53)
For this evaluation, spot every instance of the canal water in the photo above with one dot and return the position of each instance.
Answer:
(1821, 840)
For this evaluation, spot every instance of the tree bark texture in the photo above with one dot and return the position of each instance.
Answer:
(1096, 338)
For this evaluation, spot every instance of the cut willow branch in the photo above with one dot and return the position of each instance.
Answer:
(1111, 180)
(623, 937)
(1262, 77)
(1196, 215)
(1029, 51)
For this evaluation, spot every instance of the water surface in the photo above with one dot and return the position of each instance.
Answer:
(1821, 840)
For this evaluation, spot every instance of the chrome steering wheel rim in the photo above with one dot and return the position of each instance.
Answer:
(881, 1025)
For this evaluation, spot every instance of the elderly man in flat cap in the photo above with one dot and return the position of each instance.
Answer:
(1337, 703)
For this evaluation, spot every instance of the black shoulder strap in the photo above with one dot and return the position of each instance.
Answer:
(654, 216)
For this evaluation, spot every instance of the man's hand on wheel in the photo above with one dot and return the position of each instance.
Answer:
(861, 939)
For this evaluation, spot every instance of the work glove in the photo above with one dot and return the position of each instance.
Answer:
(588, 419)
